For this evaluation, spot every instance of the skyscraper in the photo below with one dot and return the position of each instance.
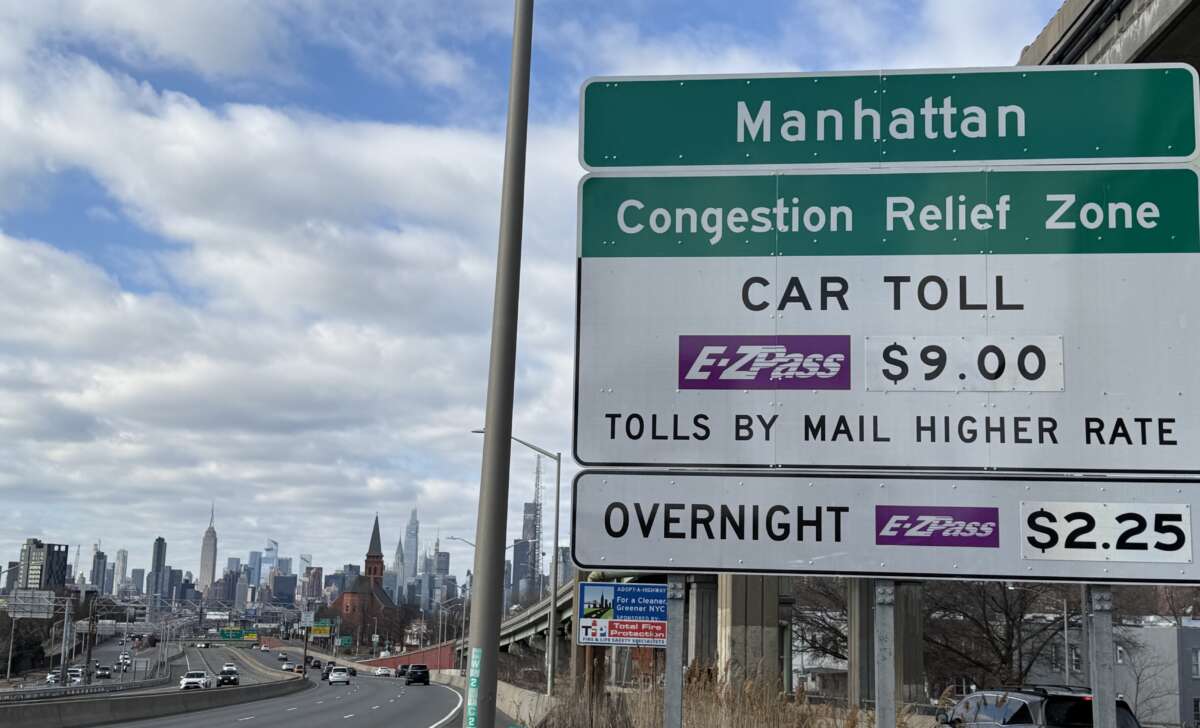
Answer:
(109, 586)
(99, 564)
(139, 580)
(43, 565)
(121, 569)
(158, 575)
(233, 564)
(208, 554)
(398, 565)
(283, 565)
(412, 534)
(270, 560)
(255, 562)
(10, 576)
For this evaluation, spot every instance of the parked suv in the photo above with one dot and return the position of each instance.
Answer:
(1042, 706)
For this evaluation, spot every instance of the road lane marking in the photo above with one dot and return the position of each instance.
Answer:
(374, 707)
(391, 700)
(320, 701)
(249, 717)
(452, 713)
(347, 716)
(289, 710)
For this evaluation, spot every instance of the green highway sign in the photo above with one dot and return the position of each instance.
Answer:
(232, 634)
(888, 213)
(1076, 114)
(345, 640)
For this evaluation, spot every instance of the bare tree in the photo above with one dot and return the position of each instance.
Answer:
(819, 616)
(1151, 673)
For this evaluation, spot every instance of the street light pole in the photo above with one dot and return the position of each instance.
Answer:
(497, 450)
(551, 644)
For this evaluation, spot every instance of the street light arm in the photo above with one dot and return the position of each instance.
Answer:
(557, 457)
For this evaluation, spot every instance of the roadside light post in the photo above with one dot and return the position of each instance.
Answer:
(551, 640)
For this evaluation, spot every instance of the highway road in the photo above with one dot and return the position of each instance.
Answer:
(366, 702)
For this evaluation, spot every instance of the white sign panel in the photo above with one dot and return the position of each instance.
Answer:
(913, 526)
(31, 604)
(981, 319)
(306, 618)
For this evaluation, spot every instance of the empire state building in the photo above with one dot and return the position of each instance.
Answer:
(208, 555)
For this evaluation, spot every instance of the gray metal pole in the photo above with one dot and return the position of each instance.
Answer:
(497, 446)
(673, 680)
(62, 664)
(551, 633)
(12, 635)
(1103, 655)
(885, 654)
(1066, 646)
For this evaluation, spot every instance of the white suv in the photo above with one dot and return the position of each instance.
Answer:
(195, 679)
(339, 674)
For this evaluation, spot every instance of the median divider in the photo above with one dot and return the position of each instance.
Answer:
(82, 712)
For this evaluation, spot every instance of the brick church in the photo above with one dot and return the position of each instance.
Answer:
(366, 598)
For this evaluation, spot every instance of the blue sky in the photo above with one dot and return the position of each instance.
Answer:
(246, 248)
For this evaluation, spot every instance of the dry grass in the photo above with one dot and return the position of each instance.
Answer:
(710, 704)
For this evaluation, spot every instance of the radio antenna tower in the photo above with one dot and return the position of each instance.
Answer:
(537, 526)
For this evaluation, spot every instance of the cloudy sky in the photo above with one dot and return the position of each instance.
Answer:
(247, 248)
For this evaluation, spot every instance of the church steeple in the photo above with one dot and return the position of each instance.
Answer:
(373, 566)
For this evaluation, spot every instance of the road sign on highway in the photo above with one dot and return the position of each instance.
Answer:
(320, 630)
(1093, 114)
(345, 640)
(1100, 530)
(622, 614)
(231, 634)
(306, 618)
(30, 604)
(1016, 319)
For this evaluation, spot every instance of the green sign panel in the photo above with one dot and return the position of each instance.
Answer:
(1048, 114)
(1020, 211)
(232, 634)
(345, 640)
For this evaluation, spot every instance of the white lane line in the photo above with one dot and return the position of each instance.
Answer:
(289, 710)
(320, 701)
(347, 716)
(374, 707)
(249, 717)
(391, 700)
(452, 713)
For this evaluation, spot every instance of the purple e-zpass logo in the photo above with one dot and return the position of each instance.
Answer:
(937, 526)
(764, 362)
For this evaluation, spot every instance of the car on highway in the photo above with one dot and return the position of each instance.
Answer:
(229, 676)
(382, 672)
(339, 675)
(417, 674)
(103, 672)
(52, 678)
(1039, 706)
(264, 648)
(287, 666)
(229, 666)
(281, 656)
(195, 679)
(316, 664)
(401, 670)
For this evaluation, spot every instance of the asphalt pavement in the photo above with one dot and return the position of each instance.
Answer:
(366, 702)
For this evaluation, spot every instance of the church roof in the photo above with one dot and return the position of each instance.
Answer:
(364, 585)
(376, 548)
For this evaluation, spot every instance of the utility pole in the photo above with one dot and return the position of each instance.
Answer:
(497, 445)
(12, 634)
(62, 662)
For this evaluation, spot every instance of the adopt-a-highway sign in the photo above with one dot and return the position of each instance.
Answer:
(614, 613)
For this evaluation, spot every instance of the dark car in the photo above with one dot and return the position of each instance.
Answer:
(316, 664)
(417, 674)
(325, 672)
(229, 677)
(401, 670)
(353, 672)
(1046, 706)
(103, 672)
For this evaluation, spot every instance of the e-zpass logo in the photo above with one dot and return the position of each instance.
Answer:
(937, 526)
(764, 362)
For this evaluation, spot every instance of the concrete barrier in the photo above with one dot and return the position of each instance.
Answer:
(526, 707)
(83, 712)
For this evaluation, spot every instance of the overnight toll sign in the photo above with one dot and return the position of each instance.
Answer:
(613, 613)
(1030, 319)
(949, 526)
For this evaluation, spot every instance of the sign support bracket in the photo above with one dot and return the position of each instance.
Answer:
(885, 654)
(673, 684)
